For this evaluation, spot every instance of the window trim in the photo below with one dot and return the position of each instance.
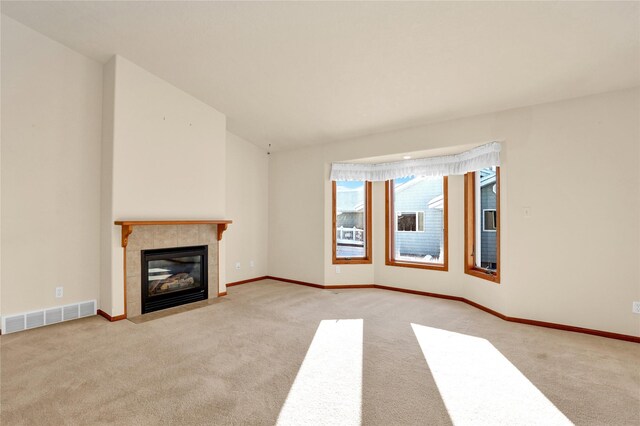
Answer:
(417, 221)
(470, 267)
(367, 237)
(390, 225)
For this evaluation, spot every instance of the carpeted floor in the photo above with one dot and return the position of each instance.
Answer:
(233, 362)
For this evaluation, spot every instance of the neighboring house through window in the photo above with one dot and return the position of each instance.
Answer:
(416, 218)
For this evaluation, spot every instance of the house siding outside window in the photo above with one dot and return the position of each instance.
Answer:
(416, 198)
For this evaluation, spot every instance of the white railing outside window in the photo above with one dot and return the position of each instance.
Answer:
(350, 236)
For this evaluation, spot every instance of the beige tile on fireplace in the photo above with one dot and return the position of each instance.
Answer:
(212, 268)
(141, 238)
(134, 302)
(213, 259)
(208, 234)
(165, 236)
(133, 263)
(189, 236)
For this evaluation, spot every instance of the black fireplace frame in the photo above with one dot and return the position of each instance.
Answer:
(176, 298)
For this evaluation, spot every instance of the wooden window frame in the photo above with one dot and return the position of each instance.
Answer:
(470, 267)
(390, 227)
(367, 238)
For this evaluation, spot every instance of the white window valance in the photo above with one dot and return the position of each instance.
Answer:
(483, 156)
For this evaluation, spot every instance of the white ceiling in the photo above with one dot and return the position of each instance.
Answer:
(298, 73)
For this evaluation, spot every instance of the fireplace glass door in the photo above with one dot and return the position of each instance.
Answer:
(172, 277)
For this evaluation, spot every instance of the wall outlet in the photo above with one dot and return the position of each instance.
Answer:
(635, 308)
(337, 270)
(252, 264)
(237, 265)
(59, 292)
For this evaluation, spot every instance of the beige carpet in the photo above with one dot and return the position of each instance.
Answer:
(234, 362)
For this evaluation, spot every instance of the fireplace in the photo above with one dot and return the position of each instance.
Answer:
(173, 276)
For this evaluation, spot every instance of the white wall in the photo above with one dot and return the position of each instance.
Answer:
(107, 231)
(296, 205)
(247, 206)
(168, 161)
(51, 132)
(575, 163)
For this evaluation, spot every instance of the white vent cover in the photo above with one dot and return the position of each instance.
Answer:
(13, 323)
(34, 319)
(53, 315)
(87, 308)
(70, 312)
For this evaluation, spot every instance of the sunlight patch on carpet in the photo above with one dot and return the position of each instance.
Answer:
(479, 385)
(328, 387)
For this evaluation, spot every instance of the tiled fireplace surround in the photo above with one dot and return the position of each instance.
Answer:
(166, 236)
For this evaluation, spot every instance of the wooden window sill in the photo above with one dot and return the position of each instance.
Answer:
(432, 266)
(483, 274)
(356, 261)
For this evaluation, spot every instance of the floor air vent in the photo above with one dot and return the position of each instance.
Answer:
(70, 312)
(53, 316)
(13, 324)
(87, 308)
(35, 319)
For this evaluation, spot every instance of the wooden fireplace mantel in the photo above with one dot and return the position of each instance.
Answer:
(127, 225)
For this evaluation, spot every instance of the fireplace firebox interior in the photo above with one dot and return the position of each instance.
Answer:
(173, 276)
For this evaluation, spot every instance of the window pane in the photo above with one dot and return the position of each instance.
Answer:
(350, 219)
(419, 206)
(486, 250)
